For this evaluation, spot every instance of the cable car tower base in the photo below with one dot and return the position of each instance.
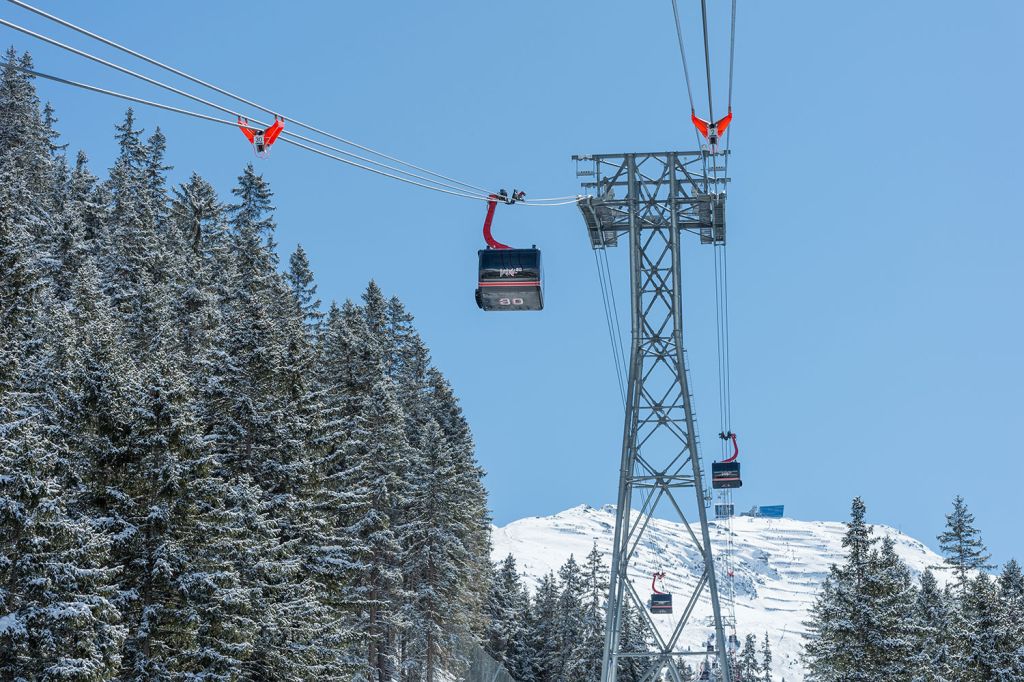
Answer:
(653, 199)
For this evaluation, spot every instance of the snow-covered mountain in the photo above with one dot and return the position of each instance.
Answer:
(779, 566)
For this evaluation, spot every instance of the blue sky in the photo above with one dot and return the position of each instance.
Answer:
(875, 236)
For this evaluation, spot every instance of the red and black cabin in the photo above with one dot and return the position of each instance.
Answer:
(725, 475)
(510, 279)
(661, 603)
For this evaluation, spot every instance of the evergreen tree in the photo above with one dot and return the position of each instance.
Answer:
(1010, 630)
(568, 617)
(895, 622)
(545, 628)
(472, 513)
(506, 638)
(634, 635)
(932, 660)
(1011, 583)
(198, 215)
(26, 140)
(747, 667)
(131, 258)
(766, 659)
(60, 620)
(379, 458)
(587, 653)
(842, 634)
(76, 218)
(300, 281)
(961, 545)
(979, 645)
(434, 556)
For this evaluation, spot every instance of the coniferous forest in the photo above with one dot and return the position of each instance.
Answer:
(873, 621)
(204, 475)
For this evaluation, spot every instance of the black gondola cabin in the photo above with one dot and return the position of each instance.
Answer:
(725, 475)
(510, 279)
(661, 603)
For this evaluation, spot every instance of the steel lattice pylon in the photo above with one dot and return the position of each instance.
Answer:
(663, 195)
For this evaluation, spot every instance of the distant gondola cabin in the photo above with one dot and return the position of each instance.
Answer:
(725, 475)
(510, 279)
(661, 603)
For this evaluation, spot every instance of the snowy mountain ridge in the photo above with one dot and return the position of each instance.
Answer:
(779, 566)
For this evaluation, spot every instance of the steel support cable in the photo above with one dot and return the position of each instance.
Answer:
(732, 60)
(233, 96)
(573, 200)
(719, 334)
(724, 342)
(682, 55)
(615, 308)
(194, 114)
(465, 187)
(732, 49)
(608, 322)
(682, 52)
(707, 58)
(725, 353)
(727, 373)
(614, 328)
(120, 95)
(707, 65)
(433, 184)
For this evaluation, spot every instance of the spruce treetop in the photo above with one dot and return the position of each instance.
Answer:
(961, 544)
(858, 540)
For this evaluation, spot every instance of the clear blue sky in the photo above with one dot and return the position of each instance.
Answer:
(875, 228)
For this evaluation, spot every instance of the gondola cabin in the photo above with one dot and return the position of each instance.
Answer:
(660, 603)
(725, 475)
(510, 279)
(724, 510)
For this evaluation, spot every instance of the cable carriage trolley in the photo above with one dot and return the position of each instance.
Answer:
(509, 279)
(726, 474)
(260, 139)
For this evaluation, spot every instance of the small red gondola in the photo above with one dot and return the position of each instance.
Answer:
(726, 474)
(661, 602)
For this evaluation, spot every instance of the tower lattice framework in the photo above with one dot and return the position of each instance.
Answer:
(652, 201)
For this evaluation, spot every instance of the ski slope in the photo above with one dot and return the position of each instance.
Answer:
(779, 566)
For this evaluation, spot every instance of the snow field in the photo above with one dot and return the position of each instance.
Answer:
(779, 567)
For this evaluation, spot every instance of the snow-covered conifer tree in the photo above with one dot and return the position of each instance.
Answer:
(587, 653)
(894, 621)
(300, 280)
(507, 632)
(842, 637)
(568, 616)
(766, 659)
(544, 630)
(961, 544)
(978, 650)
(57, 597)
(747, 667)
(932, 655)
(635, 635)
(433, 557)
(1010, 631)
